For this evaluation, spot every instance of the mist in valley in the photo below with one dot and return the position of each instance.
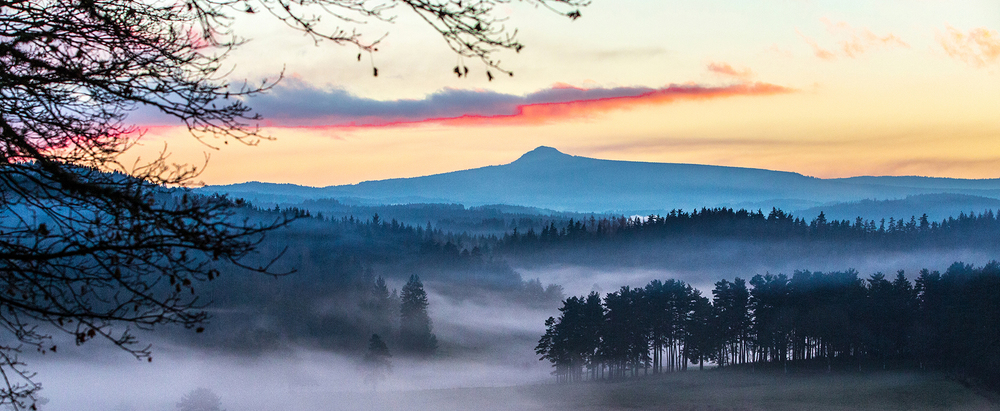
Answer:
(487, 314)
(486, 342)
(298, 341)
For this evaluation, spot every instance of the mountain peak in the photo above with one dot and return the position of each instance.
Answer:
(542, 153)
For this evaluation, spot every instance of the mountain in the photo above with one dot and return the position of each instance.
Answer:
(547, 178)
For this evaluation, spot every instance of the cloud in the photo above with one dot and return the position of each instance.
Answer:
(979, 47)
(726, 70)
(818, 51)
(857, 41)
(852, 42)
(297, 104)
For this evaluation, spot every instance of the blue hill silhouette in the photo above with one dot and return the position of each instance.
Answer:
(547, 178)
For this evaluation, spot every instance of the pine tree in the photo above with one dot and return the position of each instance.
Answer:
(379, 307)
(415, 334)
(376, 361)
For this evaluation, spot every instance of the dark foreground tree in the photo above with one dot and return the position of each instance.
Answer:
(572, 341)
(812, 320)
(90, 245)
(415, 334)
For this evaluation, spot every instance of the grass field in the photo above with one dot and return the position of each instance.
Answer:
(696, 391)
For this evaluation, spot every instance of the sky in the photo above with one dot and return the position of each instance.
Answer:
(823, 88)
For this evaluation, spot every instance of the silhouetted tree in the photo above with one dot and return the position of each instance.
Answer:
(625, 343)
(380, 308)
(731, 301)
(415, 334)
(572, 341)
(91, 245)
(773, 317)
(552, 346)
(668, 305)
(902, 310)
(947, 322)
(701, 340)
(561, 342)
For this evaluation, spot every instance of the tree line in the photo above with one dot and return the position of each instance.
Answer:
(943, 321)
(966, 229)
(327, 303)
(743, 224)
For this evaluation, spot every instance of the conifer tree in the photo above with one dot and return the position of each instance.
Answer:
(415, 334)
(376, 361)
(379, 307)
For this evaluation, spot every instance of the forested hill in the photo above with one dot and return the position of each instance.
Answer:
(337, 259)
(548, 178)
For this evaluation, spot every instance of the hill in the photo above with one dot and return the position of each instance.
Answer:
(549, 179)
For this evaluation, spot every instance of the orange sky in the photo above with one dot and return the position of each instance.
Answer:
(828, 89)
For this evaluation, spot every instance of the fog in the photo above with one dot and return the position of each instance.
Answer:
(581, 273)
(485, 339)
(483, 343)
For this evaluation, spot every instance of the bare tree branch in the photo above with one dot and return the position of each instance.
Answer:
(93, 247)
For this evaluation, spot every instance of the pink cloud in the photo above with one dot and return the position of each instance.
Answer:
(725, 69)
(295, 103)
(548, 112)
(852, 42)
(979, 47)
(818, 51)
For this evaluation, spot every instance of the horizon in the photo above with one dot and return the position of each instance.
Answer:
(829, 90)
(210, 201)
(592, 158)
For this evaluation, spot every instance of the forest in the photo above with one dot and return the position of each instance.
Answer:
(526, 233)
(777, 225)
(477, 301)
(338, 261)
(809, 320)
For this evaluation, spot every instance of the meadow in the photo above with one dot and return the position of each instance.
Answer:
(708, 390)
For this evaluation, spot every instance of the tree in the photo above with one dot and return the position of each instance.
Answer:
(902, 309)
(700, 340)
(415, 334)
(90, 245)
(731, 305)
(200, 399)
(773, 316)
(626, 335)
(551, 346)
(572, 341)
(376, 361)
(378, 306)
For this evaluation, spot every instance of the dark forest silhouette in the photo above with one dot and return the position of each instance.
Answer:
(755, 225)
(810, 320)
(339, 262)
(529, 234)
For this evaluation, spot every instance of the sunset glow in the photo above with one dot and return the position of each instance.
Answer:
(829, 89)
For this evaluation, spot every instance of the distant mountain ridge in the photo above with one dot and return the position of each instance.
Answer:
(936, 206)
(549, 179)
